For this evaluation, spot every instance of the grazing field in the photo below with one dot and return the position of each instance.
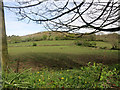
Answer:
(42, 43)
(59, 54)
(62, 64)
(56, 43)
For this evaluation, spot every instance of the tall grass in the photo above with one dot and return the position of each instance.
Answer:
(94, 75)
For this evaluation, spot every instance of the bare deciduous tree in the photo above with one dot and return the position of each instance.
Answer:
(70, 15)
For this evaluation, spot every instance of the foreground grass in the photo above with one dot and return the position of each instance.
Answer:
(90, 76)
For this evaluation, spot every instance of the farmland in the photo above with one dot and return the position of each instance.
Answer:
(64, 56)
(61, 54)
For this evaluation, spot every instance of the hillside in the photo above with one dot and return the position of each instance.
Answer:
(40, 34)
(49, 35)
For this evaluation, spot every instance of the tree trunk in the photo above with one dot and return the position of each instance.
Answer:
(0, 46)
(3, 41)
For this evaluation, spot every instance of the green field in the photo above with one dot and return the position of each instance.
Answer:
(60, 42)
(56, 43)
(59, 54)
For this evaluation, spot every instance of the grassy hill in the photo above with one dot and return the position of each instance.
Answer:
(50, 35)
(47, 35)
(53, 39)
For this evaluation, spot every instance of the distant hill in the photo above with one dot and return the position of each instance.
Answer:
(47, 35)
(40, 34)
(50, 35)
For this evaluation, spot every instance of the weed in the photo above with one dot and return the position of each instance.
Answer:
(85, 77)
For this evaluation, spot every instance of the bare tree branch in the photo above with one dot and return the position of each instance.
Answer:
(72, 16)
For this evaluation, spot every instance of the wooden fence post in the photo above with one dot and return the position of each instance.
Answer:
(3, 42)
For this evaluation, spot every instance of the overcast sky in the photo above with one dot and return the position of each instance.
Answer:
(15, 27)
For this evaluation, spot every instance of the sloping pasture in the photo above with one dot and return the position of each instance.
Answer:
(59, 56)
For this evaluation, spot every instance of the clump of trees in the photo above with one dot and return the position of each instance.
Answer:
(113, 39)
(63, 38)
(14, 39)
(85, 43)
(44, 37)
(91, 37)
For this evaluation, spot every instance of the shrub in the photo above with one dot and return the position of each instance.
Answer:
(28, 39)
(93, 44)
(78, 43)
(57, 38)
(90, 37)
(115, 48)
(94, 76)
(14, 39)
(44, 37)
(103, 47)
(34, 44)
(115, 45)
(85, 43)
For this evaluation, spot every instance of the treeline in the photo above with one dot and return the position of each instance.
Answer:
(92, 37)
(40, 37)
(18, 39)
(113, 39)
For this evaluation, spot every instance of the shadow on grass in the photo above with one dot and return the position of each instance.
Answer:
(57, 60)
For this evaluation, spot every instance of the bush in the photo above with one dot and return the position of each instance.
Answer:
(34, 44)
(14, 39)
(85, 43)
(78, 43)
(57, 38)
(90, 37)
(115, 45)
(44, 37)
(103, 47)
(93, 44)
